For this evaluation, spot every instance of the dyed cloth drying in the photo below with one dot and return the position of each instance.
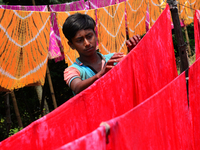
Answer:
(111, 29)
(160, 122)
(186, 10)
(154, 59)
(197, 5)
(94, 4)
(70, 54)
(136, 17)
(26, 8)
(197, 33)
(73, 6)
(54, 49)
(92, 141)
(194, 94)
(24, 47)
(155, 9)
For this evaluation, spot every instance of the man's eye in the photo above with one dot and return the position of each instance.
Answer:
(79, 40)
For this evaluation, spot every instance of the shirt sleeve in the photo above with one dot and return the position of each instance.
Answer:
(70, 74)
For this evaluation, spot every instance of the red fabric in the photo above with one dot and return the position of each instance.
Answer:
(148, 68)
(154, 62)
(160, 122)
(92, 141)
(194, 99)
(197, 32)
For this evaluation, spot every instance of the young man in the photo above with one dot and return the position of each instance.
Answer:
(91, 65)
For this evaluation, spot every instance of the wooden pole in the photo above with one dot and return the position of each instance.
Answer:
(8, 118)
(16, 109)
(51, 88)
(188, 41)
(179, 36)
(50, 83)
(181, 43)
(33, 1)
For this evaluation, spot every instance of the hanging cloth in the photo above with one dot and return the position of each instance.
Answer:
(25, 8)
(111, 29)
(160, 122)
(70, 54)
(136, 17)
(197, 33)
(95, 140)
(155, 9)
(95, 4)
(24, 47)
(194, 103)
(186, 12)
(154, 59)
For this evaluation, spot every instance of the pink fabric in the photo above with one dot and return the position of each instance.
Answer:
(160, 122)
(147, 19)
(77, 5)
(154, 59)
(26, 8)
(54, 49)
(92, 141)
(94, 4)
(87, 5)
(194, 100)
(197, 33)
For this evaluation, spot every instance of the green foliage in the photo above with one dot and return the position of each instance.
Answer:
(13, 131)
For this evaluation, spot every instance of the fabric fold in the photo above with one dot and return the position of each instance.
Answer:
(95, 140)
(160, 122)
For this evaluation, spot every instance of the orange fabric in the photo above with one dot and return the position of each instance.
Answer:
(136, 16)
(23, 48)
(70, 54)
(111, 29)
(156, 8)
(186, 11)
(197, 5)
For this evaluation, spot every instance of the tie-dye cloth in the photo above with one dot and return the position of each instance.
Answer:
(111, 29)
(24, 47)
(26, 8)
(136, 17)
(95, 4)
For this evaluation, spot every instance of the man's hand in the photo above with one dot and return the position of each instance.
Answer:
(117, 57)
(132, 42)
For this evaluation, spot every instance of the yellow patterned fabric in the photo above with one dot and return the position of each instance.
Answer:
(111, 29)
(70, 54)
(136, 16)
(155, 8)
(186, 10)
(23, 47)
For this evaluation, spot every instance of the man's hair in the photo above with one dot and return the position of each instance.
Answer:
(77, 22)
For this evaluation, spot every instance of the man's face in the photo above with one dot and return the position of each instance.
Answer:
(84, 42)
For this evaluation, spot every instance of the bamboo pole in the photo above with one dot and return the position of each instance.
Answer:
(51, 88)
(50, 82)
(16, 109)
(188, 41)
(8, 118)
